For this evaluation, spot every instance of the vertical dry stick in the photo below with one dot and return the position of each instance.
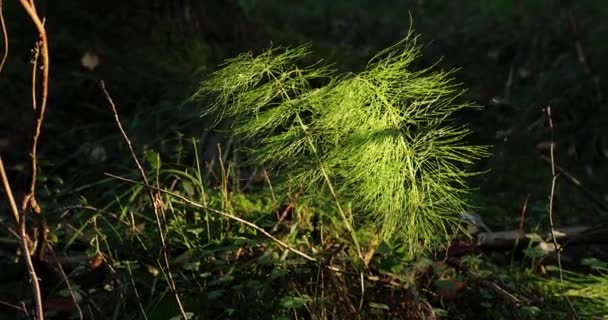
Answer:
(4, 37)
(25, 245)
(30, 267)
(155, 200)
(141, 307)
(29, 199)
(522, 216)
(9, 193)
(551, 195)
(67, 283)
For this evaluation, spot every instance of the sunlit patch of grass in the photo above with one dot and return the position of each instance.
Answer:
(587, 293)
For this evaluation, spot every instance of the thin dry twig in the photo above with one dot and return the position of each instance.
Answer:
(10, 305)
(141, 307)
(4, 36)
(227, 215)
(29, 199)
(554, 176)
(35, 283)
(522, 216)
(9, 193)
(67, 283)
(601, 205)
(156, 204)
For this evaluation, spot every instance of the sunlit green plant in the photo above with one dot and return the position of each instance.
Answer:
(585, 293)
(380, 140)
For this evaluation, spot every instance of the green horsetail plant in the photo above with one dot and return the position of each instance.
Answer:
(380, 140)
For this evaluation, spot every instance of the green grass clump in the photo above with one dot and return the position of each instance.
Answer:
(380, 141)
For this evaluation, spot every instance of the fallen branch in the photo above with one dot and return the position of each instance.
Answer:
(571, 235)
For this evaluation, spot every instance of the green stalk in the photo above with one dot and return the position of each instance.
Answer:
(350, 228)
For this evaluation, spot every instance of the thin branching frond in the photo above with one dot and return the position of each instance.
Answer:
(383, 136)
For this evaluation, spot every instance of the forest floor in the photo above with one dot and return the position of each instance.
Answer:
(517, 60)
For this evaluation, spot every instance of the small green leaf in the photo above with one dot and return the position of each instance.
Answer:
(534, 252)
(152, 158)
(531, 310)
(291, 302)
(383, 248)
(534, 237)
(192, 266)
(278, 273)
(196, 231)
(375, 305)
(188, 188)
(595, 263)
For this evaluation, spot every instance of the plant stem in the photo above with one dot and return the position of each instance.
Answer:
(347, 222)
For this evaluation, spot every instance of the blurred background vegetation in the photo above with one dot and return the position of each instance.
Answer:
(515, 58)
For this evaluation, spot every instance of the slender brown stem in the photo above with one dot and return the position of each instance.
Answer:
(4, 36)
(551, 196)
(67, 283)
(227, 215)
(29, 199)
(522, 216)
(156, 204)
(9, 193)
(600, 203)
(30, 268)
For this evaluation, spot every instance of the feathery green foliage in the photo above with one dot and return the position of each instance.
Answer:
(380, 138)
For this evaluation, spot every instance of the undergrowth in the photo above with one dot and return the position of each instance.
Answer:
(324, 144)
(363, 173)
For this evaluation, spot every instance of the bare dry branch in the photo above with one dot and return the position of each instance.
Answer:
(9, 193)
(227, 215)
(35, 283)
(4, 36)
(554, 176)
(29, 199)
(155, 205)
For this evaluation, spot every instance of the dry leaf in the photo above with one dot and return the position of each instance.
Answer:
(89, 60)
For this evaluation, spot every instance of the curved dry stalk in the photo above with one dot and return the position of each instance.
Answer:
(67, 283)
(4, 36)
(156, 204)
(554, 175)
(224, 214)
(9, 193)
(29, 200)
(31, 270)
